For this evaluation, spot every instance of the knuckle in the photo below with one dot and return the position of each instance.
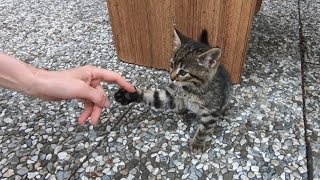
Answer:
(102, 97)
(88, 67)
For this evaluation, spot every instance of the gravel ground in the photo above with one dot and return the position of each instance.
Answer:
(310, 14)
(262, 137)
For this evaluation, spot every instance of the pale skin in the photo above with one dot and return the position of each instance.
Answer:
(81, 83)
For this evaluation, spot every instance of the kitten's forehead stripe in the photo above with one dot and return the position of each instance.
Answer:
(190, 49)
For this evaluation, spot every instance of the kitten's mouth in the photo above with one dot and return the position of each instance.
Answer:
(175, 82)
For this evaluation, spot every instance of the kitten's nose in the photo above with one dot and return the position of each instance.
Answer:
(173, 77)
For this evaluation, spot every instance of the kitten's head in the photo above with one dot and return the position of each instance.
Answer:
(193, 63)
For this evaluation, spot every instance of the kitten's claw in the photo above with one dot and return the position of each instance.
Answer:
(124, 97)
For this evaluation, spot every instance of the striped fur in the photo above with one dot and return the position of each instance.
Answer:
(199, 84)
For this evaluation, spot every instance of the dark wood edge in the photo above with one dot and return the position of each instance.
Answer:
(258, 6)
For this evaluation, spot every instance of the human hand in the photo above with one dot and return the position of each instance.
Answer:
(81, 83)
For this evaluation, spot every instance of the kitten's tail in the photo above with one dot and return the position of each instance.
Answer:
(203, 38)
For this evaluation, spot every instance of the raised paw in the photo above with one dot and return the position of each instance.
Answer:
(197, 147)
(124, 97)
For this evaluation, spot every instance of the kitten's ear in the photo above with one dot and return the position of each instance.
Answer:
(210, 58)
(177, 40)
(204, 37)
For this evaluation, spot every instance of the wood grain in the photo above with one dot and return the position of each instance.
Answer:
(143, 29)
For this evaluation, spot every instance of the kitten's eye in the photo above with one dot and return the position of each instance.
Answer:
(182, 72)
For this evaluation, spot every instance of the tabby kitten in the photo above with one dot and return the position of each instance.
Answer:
(199, 84)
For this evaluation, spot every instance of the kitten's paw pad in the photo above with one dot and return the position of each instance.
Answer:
(124, 97)
(197, 147)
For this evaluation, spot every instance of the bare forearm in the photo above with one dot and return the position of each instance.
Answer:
(78, 83)
(16, 75)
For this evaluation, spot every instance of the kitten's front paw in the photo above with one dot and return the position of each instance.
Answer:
(124, 97)
(197, 147)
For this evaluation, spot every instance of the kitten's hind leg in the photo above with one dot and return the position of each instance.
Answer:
(188, 118)
(207, 123)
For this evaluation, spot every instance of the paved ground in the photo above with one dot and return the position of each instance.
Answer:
(262, 137)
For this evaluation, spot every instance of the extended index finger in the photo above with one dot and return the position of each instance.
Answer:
(113, 77)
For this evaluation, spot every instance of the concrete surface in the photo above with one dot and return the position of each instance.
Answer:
(263, 135)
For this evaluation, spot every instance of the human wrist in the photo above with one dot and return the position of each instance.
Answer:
(34, 81)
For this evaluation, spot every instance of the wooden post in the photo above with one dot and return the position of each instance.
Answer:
(143, 29)
(258, 6)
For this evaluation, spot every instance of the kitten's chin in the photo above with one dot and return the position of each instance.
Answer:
(177, 83)
(182, 84)
(185, 85)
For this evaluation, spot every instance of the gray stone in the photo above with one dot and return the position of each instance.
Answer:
(8, 173)
(8, 120)
(62, 155)
(60, 175)
(15, 160)
(32, 175)
(106, 178)
(22, 171)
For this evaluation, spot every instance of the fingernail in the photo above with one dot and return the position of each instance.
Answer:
(107, 104)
